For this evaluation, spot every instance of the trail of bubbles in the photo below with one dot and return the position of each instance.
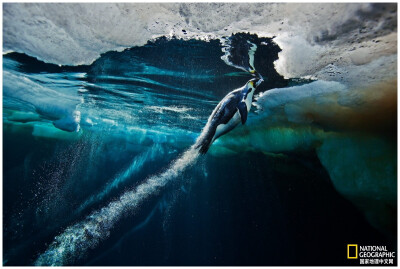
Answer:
(123, 238)
(135, 166)
(75, 241)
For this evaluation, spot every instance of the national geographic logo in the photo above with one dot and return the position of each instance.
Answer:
(377, 255)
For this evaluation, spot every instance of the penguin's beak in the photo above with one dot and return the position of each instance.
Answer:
(259, 81)
(260, 78)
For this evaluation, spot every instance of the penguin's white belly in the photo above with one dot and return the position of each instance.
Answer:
(224, 128)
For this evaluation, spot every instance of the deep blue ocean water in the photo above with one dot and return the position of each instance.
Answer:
(140, 109)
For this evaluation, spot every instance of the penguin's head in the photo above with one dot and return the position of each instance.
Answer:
(257, 76)
(254, 82)
(250, 87)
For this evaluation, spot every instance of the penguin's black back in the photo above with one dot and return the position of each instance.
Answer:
(222, 114)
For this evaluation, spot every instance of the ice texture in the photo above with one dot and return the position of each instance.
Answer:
(50, 104)
(313, 36)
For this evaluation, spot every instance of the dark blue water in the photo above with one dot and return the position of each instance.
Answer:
(139, 110)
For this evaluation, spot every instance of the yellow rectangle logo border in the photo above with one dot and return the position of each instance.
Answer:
(348, 251)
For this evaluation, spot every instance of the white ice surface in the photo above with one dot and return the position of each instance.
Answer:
(312, 35)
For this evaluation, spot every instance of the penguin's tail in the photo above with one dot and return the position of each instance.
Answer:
(203, 145)
(205, 139)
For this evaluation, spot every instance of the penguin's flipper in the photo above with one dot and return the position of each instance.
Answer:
(243, 111)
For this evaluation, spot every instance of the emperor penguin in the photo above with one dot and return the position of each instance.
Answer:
(232, 110)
